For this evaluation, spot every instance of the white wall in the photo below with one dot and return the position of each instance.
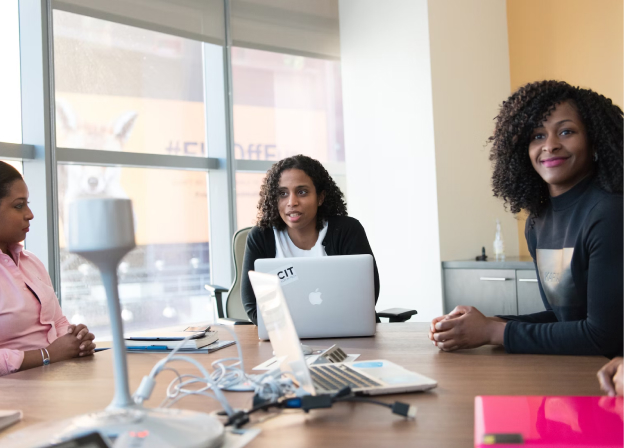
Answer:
(390, 152)
(470, 76)
(422, 83)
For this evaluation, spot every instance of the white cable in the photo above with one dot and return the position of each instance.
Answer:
(227, 373)
(238, 346)
(207, 378)
(147, 384)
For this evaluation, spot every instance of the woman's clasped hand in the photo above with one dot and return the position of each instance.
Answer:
(466, 327)
(77, 342)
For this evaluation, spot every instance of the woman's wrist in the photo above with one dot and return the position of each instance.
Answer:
(497, 332)
(32, 358)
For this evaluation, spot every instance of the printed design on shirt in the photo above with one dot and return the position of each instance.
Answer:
(286, 274)
(555, 273)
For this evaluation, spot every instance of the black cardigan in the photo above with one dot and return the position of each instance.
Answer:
(345, 236)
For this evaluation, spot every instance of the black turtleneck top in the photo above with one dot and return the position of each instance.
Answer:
(576, 244)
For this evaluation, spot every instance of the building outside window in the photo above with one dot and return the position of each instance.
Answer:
(284, 105)
(10, 106)
(126, 89)
(141, 109)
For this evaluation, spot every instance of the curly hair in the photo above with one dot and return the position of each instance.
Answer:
(333, 204)
(514, 179)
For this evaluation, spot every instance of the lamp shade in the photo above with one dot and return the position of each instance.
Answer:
(101, 229)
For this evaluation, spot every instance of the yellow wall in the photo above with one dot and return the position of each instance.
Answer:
(577, 41)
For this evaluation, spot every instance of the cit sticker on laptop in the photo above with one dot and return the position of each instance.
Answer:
(286, 274)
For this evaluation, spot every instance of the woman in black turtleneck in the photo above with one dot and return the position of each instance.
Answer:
(557, 153)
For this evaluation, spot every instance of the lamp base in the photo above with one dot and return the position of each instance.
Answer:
(159, 428)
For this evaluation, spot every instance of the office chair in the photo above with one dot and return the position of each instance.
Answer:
(236, 314)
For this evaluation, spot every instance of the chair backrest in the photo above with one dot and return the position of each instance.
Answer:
(234, 304)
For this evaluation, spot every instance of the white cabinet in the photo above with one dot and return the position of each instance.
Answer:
(507, 287)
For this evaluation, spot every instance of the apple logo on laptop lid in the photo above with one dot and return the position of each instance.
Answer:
(315, 297)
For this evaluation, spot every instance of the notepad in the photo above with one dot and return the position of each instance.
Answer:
(171, 343)
(548, 422)
(8, 418)
(159, 349)
(164, 335)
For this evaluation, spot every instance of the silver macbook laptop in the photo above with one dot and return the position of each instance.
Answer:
(328, 297)
(365, 377)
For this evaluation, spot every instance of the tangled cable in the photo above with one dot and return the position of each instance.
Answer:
(226, 373)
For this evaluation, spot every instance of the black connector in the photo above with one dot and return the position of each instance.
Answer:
(316, 402)
(308, 402)
(404, 409)
(238, 419)
(344, 392)
(323, 401)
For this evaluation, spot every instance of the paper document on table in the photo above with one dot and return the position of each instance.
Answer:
(7, 418)
(272, 363)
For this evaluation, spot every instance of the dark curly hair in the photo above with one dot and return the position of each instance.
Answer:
(333, 204)
(514, 178)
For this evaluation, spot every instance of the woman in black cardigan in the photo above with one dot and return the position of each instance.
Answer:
(557, 153)
(301, 212)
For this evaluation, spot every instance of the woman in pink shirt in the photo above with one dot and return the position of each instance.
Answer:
(33, 330)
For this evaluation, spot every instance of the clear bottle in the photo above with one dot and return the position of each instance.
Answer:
(499, 245)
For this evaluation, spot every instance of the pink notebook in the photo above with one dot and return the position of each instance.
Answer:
(548, 422)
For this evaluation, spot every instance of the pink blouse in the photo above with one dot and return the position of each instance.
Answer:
(26, 323)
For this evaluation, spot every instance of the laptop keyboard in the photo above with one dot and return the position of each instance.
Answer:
(331, 378)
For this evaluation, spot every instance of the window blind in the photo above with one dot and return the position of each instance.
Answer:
(301, 27)
(201, 20)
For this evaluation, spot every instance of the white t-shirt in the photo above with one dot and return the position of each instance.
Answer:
(285, 248)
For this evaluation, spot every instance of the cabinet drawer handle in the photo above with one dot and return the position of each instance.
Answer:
(531, 280)
(492, 279)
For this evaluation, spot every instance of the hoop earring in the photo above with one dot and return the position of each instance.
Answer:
(595, 156)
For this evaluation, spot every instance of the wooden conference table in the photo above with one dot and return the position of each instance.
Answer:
(445, 414)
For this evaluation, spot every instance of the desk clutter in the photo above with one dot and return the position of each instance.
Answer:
(351, 424)
(186, 341)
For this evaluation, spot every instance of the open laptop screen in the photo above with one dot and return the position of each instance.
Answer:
(279, 325)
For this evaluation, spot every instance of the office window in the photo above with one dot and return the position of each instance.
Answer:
(284, 105)
(161, 281)
(126, 89)
(10, 105)
(121, 88)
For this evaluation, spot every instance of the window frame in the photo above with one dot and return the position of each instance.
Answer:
(41, 157)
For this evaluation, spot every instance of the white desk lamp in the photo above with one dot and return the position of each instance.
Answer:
(102, 231)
